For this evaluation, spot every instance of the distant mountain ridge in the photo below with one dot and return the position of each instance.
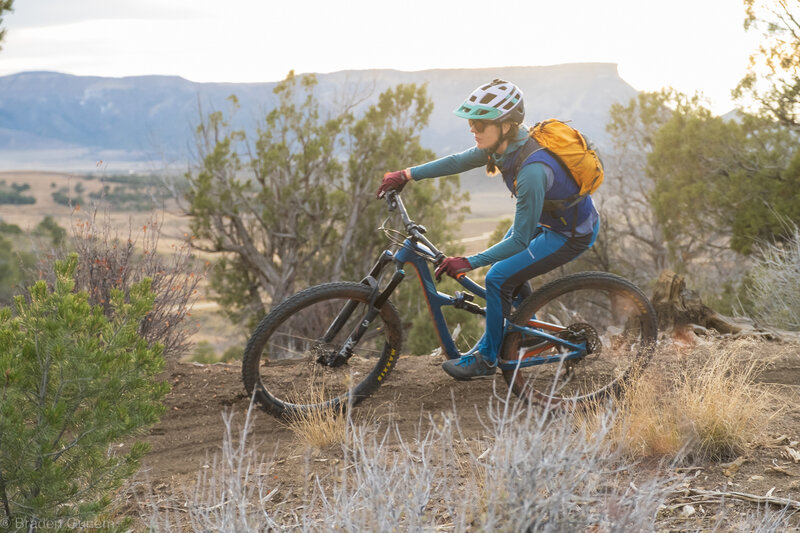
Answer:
(51, 119)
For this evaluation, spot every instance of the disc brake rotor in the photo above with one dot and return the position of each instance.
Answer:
(578, 333)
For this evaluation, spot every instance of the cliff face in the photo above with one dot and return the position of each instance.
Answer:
(153, 117)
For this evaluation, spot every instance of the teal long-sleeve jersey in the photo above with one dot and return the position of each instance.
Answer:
(531, 188)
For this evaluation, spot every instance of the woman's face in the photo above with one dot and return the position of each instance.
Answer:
(486, 133)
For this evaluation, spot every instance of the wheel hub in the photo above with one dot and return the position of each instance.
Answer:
(328, 355)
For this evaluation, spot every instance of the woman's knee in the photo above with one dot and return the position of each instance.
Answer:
(494, 279)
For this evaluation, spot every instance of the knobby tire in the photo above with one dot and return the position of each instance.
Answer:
(280, 361)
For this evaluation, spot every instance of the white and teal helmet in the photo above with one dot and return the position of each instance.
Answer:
(498, 101)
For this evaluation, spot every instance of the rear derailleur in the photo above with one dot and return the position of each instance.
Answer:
(579, 333)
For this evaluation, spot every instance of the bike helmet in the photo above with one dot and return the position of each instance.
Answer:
(498, 101)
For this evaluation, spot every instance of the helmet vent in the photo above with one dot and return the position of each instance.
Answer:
(472, 98)
(508, 106)
(487, 98)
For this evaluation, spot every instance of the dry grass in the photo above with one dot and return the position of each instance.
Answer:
(530, 472)
(723, 408)
(318, 427)
(700, 405)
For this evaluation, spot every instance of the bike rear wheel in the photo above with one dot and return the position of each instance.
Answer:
(283, 358)
(608, 314)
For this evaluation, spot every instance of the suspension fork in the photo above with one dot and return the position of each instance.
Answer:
(376, 301)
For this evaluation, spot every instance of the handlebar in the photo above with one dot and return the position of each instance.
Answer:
(414, 230)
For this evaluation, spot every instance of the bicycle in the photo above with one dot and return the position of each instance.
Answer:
(575, 340)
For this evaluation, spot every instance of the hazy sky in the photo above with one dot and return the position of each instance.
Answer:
(692, 45)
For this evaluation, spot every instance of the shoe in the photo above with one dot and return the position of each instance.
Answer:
(470, 366)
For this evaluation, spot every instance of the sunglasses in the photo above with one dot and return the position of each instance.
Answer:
(479, 125)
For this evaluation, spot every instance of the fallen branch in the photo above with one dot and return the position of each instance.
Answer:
(772, 500)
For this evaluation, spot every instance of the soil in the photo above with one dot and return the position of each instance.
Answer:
(191, 431)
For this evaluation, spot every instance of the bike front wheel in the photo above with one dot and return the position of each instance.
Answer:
(606, 314)
(287, 359)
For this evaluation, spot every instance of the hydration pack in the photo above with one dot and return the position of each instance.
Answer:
(574, 153)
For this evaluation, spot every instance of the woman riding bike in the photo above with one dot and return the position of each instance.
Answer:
(538, 241)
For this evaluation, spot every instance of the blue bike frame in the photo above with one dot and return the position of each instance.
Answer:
(418, 251)
(419, 255)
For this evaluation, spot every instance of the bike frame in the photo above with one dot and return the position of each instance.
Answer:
(418, 251)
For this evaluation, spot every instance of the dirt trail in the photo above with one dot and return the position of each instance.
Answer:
(191, 430)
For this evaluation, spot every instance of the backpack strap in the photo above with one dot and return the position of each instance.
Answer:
(551, 207)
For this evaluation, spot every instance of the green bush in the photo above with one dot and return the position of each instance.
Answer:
(62, 197)
(14, 263)
(205, 353)
(13, 194)
(74, 383)
(10, 229)
(126, 197)
(50, 229)
(234, 353)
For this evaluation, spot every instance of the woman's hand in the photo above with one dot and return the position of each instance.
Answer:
(452, 266)
(393, 181)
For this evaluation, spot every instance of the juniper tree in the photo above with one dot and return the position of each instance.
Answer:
(296, 206)
(5, 5)
(74, 383)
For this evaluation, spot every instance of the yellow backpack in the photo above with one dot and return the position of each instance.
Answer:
(570, 147)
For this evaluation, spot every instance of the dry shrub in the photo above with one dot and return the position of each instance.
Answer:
(774, 287)
(107, 261)
(700, 405)
(646, 425)
(234, 493)
(529, 472)
(722, 405)
(319, 427)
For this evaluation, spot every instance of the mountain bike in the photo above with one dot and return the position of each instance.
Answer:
(575, 340)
